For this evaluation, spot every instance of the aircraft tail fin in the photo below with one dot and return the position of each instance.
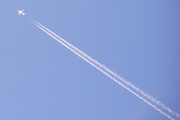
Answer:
(23, 13)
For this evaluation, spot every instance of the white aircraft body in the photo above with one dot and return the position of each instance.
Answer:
(21, 12)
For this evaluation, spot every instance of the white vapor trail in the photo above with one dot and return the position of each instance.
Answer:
(98, 68)
(114, 74)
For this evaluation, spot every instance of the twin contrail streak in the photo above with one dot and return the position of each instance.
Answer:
(117, 76)
(97, 67)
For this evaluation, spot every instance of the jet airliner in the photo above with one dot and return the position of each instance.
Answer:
(21, 12)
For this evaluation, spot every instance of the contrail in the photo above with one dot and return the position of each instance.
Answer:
(98, 68)
(110, 71)
(105, 73)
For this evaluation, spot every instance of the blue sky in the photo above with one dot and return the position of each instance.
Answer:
(40, 79)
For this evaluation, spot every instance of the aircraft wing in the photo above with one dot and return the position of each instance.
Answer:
(22, 10)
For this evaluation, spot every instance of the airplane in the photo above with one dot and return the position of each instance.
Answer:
(21, 12)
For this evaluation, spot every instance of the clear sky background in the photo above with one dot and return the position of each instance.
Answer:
(42, 80)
